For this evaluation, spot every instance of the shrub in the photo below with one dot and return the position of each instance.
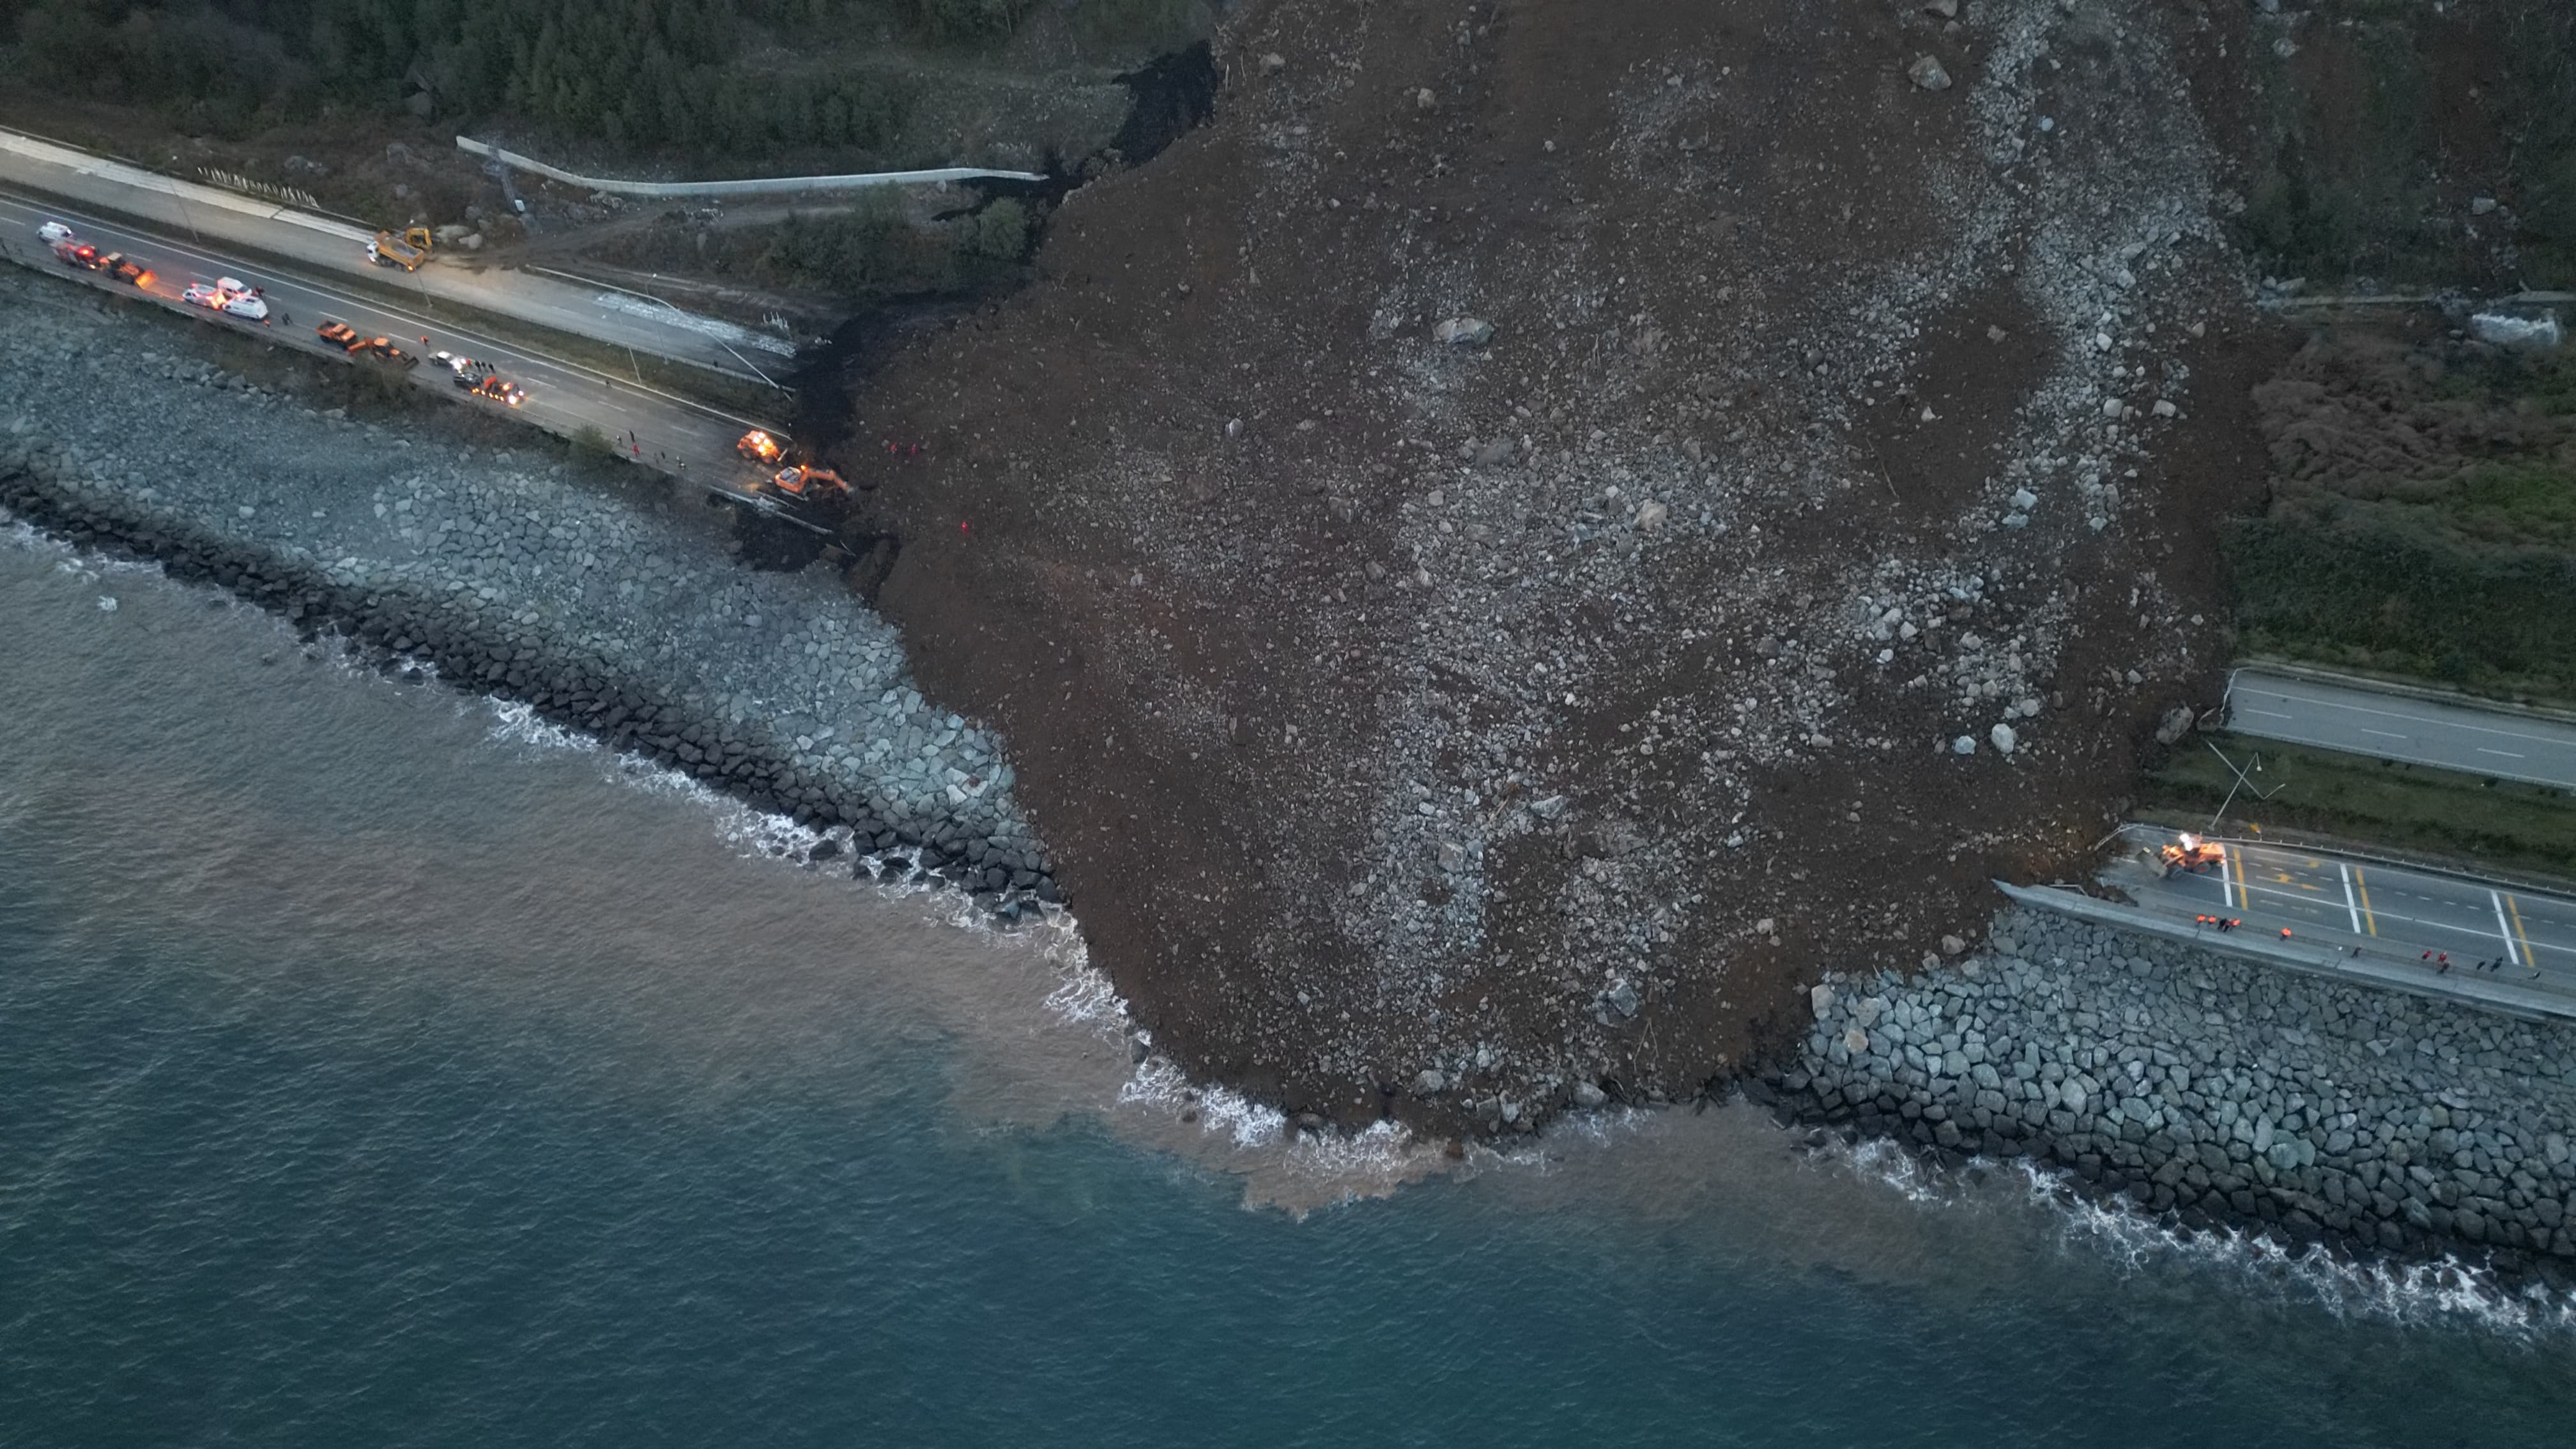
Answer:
(2502, 620)
(1000, 231)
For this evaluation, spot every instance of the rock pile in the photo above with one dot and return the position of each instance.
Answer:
(604, 607)
(2212, 1090)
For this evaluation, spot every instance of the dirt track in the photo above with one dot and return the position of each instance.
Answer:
(1459, 732)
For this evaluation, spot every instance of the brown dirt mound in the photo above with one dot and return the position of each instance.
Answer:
(1546, 714)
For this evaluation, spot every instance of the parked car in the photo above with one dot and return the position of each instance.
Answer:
(230, 296)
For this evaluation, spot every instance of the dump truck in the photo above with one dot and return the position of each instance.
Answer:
(406, 251)
(340, 335)
(757, 446)
(2192, 854)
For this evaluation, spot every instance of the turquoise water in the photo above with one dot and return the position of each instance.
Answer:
(375, 1070)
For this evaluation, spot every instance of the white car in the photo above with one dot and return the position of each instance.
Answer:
(53, 232)
(453, 363)
(228, 295)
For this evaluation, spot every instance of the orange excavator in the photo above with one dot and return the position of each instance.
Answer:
(2193, 854)
(805, 483)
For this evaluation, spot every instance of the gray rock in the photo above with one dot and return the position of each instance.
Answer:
(1463, 332)
(2005, 738)
(1429, 1083)
(2177, 722)
(1926, 72)
(1588, 1096)
(1623, 998)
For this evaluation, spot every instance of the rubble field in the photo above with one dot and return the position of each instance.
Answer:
(1533, 532)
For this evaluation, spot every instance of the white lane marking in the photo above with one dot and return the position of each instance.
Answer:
(2273, 713)
(2384, 917)
(2285, 697)
(2351, 907)
(2508, 754)
(2561, 782)
(2552, 911)
(2384, 734)
(2504, 932)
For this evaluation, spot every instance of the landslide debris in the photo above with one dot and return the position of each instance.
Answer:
(1508, 550)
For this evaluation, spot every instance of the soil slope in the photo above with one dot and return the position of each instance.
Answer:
(1458, 732)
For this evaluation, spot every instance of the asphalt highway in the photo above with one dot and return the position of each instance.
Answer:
(2494, 743)
(686, 439)
(216, 220)
(2385, 913)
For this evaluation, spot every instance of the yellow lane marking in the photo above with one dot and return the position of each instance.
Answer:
(2518, 934)
(2237, 860)
(2363, 886)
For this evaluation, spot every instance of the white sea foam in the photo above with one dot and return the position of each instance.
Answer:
(2446, 1290)
(517, 722)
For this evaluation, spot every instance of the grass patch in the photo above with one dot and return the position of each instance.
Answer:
(870, 250)
(2408, 807)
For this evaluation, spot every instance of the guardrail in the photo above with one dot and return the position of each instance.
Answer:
(750, 187)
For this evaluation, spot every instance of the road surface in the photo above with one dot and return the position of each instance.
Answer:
(2387, 913)
(689, 441)
(2495, 743)
(216, 220)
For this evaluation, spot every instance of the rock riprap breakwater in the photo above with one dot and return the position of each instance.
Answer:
(2213, 1089)
(603, 605)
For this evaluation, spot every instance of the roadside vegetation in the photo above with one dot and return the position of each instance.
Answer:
(2422, 517)
(868, 251)
(752, 84)
(2412, 808)
(2390, 127)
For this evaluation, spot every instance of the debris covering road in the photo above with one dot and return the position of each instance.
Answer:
(1519, 541)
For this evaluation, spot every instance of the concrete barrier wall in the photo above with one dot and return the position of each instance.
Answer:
(771, 186)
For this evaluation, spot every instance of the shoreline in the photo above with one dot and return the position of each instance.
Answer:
(2160, 1171)
(601, 608)
(2209, 1092)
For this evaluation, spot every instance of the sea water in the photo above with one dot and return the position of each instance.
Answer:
(380, 1068)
